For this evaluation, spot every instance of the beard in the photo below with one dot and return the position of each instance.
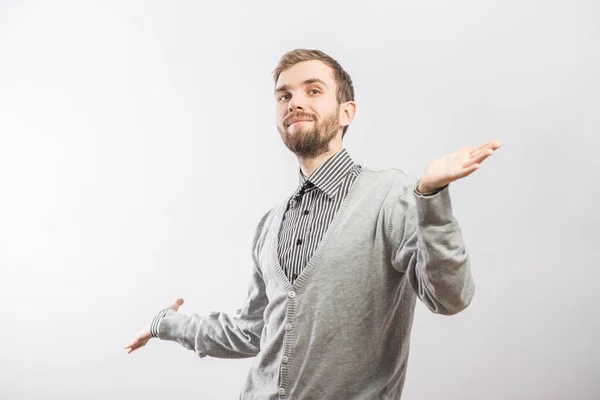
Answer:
(314, 141)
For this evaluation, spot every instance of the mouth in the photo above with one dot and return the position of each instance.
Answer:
(298, 120)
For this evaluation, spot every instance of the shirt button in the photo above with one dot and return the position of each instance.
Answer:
(291, 294)
(288, 327)
(285, 359)
(281, 391)
(299, 241)
(306, 212)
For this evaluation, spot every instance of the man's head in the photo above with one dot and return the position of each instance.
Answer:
(315, 101)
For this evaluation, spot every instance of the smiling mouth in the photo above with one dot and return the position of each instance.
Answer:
(300, 120)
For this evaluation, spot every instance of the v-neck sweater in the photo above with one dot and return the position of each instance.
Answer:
(342, 329)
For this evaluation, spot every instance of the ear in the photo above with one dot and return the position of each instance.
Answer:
(347, 111)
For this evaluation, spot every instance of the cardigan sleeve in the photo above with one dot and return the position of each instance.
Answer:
(427, 246)
(218, 334)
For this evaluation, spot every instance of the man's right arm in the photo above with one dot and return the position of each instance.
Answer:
(218, 334)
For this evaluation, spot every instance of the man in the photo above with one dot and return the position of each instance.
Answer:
(339, 264)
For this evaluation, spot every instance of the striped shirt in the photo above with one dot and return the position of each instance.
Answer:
(311, 210)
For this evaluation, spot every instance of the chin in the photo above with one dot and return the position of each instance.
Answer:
(292, 130)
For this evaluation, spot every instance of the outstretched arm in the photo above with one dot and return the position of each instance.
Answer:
(216, 334)
(426, 240)
(219, 334)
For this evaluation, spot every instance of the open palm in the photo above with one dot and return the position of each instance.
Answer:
(144, 335)
(454, 166)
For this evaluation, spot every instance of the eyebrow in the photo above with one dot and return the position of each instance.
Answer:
(285, 88)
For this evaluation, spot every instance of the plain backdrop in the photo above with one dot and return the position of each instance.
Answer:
(138, 151)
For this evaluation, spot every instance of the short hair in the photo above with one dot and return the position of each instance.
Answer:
(343, 81)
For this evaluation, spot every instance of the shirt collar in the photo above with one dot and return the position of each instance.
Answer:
(329, 176)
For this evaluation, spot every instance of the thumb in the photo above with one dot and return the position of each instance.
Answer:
(175, 306)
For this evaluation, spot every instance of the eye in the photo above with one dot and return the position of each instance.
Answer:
(283, 97)
(314, 91)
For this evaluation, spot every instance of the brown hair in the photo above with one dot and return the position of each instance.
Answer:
(343, 82)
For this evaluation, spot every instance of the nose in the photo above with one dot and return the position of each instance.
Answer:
(296, 103)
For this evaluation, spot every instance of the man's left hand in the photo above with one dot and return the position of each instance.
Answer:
(454, 166)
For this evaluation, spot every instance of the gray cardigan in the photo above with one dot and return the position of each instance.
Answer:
(342, 330)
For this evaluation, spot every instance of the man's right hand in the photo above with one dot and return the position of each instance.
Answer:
(144, 335)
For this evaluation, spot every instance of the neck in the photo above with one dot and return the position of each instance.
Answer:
(308, 165)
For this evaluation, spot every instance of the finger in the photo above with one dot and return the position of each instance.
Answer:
(478, 148)
(482, 153)
(476, 159)
(139, 338)
(136, 346)
(133, 345)
(468, 171)
(492, 144)
(175, 306)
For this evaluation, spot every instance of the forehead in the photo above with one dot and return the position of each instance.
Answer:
(306, 70)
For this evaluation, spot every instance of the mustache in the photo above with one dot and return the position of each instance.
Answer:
(298, 115)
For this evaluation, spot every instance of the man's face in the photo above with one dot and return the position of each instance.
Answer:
(308, 114)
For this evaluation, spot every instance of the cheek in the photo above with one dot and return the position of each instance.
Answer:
(280, 112)
(280, 118)
(326, 108)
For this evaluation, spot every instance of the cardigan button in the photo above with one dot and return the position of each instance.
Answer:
(288, 327)
(291, 294)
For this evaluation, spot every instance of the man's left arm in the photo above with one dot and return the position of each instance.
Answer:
(427, 241)
(428, 247)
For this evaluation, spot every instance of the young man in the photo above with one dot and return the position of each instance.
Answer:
(339, 264)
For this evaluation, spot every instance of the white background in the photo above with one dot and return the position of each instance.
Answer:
(138, 151)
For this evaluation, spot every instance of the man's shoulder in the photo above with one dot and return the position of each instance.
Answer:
(390, 177)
